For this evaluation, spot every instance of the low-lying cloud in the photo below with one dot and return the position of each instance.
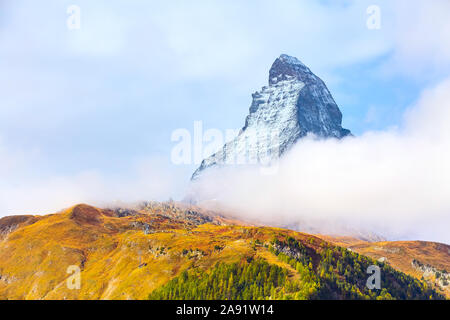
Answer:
(394, 182)
(23, 191)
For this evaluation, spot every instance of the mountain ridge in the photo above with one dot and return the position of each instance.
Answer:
(135, 253)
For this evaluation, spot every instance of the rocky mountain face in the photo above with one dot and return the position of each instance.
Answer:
(294, 104)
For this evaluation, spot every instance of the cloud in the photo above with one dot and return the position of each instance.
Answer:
(421, 43)
(393, 182)
(23, 191)
(201, 39)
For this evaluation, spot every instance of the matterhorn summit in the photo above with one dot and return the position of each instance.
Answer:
(296, 103)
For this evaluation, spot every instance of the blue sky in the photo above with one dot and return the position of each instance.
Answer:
(102, 101)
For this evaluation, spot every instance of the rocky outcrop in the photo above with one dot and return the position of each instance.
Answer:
(440, 277)
(11, 223)
(124, 212)
(173, 211)
(142, 226)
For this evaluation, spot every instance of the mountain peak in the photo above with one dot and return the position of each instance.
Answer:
(290, 59)
(285, 67)
(296, 103)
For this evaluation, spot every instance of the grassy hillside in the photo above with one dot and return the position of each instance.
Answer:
(327, 273)
(165, 250)
(427, 261)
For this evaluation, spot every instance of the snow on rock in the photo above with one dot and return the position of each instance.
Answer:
(294, 104)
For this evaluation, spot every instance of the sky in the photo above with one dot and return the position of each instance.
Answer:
(87, 114)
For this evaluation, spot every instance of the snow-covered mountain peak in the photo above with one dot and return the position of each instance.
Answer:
(286, 66)
(294, 104)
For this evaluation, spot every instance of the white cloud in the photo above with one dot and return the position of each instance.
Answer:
(214, 40)
(421, 42)
(395, 181)
(205, 39)
(23, 191)
(217, 40)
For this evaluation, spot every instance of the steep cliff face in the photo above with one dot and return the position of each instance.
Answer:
(294, 104)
